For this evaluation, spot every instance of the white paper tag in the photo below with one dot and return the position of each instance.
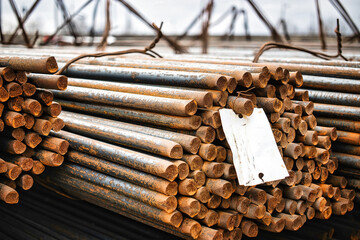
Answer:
(255, 154)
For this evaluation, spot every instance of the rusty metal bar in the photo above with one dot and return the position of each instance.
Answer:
(8, 194)
(337, 98)
(202, 98)
(155, 199)
(169, 106)
(348, 159)
(337, 4)
(124, 173)
(331, 84)
(39, 64)
(124, 137)
(123, 202)
(147, 163)
(308, 67)
(290, 59)
(346, 148)
(183, 64)
(57, 82)
(149, 76)
(189, 143)
(205, 186)
(103, 43)
(341, 124)
(348, 137)
(337, 111)
(205, 26)
(157, 119)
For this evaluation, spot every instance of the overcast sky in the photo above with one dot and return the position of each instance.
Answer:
(176, 15)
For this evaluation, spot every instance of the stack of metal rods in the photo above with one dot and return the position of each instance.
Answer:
(337, 227)
(43, 214)
(243, 200)
(311, 66)
(160, 159)
(28, 113)
(334, 88)
(165, 159)
(337, 103)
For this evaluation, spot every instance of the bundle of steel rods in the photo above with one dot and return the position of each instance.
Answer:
(147, 142)
(337, 104)
(28, 113)
(43, 214)
(334, 88)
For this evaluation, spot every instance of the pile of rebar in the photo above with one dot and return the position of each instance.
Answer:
(337, 103)
(146, 141)
(28, 113)
(334, 88)
(44, 214)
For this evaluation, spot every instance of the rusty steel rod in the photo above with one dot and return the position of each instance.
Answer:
(297, 60)
(137, 160)
(177, 122)
(169, 106)
(189, 143)
(337, 98)
(149, 76)
(153, 198)
(203, 185)
(331, 84)
(203, 99)
(337, 111)
(124, 137)
(348, 159)
(121, 201)
(307, 67)
(46, 81)
(30, 64)
(242, 74)
(125, 173)
(341, 124)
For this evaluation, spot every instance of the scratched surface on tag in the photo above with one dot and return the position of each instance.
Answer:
(255, 154)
